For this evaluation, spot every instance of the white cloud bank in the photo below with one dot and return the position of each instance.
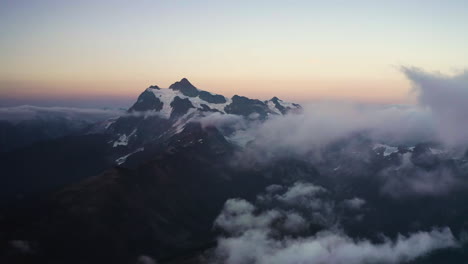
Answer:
(440, 115)
(253, 237)
(446, 96)
(258, 246)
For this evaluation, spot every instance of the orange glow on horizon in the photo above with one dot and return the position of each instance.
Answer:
(378, 91)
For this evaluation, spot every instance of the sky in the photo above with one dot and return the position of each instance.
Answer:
(104, 53)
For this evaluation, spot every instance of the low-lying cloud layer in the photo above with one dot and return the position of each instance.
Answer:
(267, 235)
(440, 115)
(342, 129)
(322, 124)
(28, 112)
(258, 246)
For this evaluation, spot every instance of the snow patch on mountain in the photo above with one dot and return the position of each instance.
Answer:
(122, 159)
(179, 125)
(272, 107)
(287, 104)
(166, 96)
(197, 102)
(123, 139)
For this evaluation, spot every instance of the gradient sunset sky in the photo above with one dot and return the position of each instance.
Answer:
(104, 53)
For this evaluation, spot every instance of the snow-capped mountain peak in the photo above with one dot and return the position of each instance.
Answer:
(182, 97)
(160, 113)
(185, 87)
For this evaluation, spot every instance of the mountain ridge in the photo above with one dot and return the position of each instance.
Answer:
(153, 96)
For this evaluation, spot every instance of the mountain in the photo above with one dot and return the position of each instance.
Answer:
(14, 135)
(136, 161)
(21, 126)
(160, 113)
(159, 182)
(162, 208)
(48, 165)
(70, 149)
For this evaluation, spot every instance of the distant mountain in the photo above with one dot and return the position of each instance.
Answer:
(21, 126)
(21, 134)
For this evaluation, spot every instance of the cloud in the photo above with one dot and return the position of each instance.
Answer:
(308, 133)
(300, 193)
(263, 232)
(295, 222)
(447, 98)
(21, 245)
(221, 121)
(440, 115)
(286, 207)
(258, 246)
(261, 236)
(28, 112)
(312, 201)
(145, 260)
(238, 216)
(407, 179)
(337, 133)
(354, 203)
